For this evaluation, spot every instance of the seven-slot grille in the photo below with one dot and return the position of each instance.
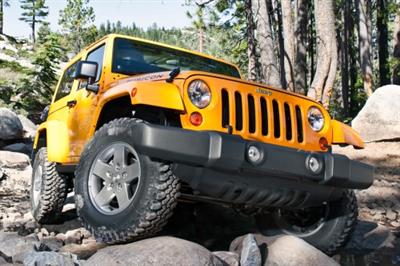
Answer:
(262, 116)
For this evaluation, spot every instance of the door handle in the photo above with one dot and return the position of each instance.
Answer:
(71, 103)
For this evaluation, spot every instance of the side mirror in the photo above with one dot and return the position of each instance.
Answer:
(45, 113)
(87, 71)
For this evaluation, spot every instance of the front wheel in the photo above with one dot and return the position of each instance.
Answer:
(327, 227)
(120, 194)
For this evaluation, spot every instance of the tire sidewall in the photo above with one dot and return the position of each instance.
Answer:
(40, 160)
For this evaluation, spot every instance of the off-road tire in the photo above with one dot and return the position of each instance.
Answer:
(53, 190)
(334, 232)
(155, 198)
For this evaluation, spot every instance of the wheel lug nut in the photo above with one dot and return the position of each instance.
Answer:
(124, 175)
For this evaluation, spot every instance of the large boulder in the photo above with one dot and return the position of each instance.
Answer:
(293, 251)
(10, 125)
(155, 251)
(14, 160)
(379, 119)
(28, 127)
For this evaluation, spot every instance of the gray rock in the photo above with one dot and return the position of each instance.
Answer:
(19, 147)
(14, 160)
(11, 244)
(250, 254)
(10, 125)
(49, 258)
(228, 258)
(379, 119)
(155, 251)
(293, 251)
(28, 127)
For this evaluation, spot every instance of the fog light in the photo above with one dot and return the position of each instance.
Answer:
(254, 154)
(314, 164)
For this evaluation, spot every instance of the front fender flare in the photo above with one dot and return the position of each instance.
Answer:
(344, 134)
(164, 95)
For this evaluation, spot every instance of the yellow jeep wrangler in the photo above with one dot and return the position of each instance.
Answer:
(135, 126)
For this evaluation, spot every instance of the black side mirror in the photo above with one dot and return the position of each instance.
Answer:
(45, 113)
(87, 71)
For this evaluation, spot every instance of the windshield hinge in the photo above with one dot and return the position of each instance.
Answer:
(175, 72)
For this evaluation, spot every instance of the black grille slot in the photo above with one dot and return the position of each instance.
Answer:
(299, 121)
(277, 124)
(238, 111)
(264, 117)
(288, 119)
(252, 114)
(225, 108)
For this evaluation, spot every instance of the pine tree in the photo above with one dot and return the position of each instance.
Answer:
(76, 20)
(3, 3)
(34, 12)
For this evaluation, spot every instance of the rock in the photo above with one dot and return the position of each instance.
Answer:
(73, 236)
(228, 258)
(371, 236)
(14, 160)
(49, 258)
(250, 254)
(28, 127)
(155, 251)
(19, 147)
(85, 250)
(10, 125)
(391, 215)
(11, 244)
(52, 243)
(293, 251)
(379, 119)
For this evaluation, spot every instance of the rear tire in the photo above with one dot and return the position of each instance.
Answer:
(48, 190)
(121, 195)
(328, 229)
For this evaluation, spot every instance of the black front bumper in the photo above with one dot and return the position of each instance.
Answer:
(216, 164)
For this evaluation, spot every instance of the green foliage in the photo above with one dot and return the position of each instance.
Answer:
(36, 89)
(76, 20)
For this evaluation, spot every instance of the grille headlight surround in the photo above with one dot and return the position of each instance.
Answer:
(199, 93)
(315, 118)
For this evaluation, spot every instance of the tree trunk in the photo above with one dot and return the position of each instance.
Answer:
(383, 35)
(288, 43)
(365, 43)
(396, 50)
(33, 22)
(1, 16)
(269, 68)
(251, 42)
(345, 57)
(301, 50)
(281, 44)
(322, 85)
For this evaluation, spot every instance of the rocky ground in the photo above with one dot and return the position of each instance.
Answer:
(376, 240)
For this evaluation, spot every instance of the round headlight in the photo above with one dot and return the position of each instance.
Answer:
(315, 118)
(199, 94)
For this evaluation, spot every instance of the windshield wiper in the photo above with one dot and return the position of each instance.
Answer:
(175, 72)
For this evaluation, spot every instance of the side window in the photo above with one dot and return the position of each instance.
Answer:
(66, 83)
(97, 56)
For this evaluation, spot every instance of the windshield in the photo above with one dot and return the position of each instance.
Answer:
(134, 57)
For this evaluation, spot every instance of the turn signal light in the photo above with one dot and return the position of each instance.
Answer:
(323, 143)
(196, 119)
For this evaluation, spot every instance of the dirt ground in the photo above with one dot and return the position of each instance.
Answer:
(376, 240)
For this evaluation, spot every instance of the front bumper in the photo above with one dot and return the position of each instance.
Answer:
(213, 162)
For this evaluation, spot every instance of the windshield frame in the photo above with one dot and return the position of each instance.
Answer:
(231, 70)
